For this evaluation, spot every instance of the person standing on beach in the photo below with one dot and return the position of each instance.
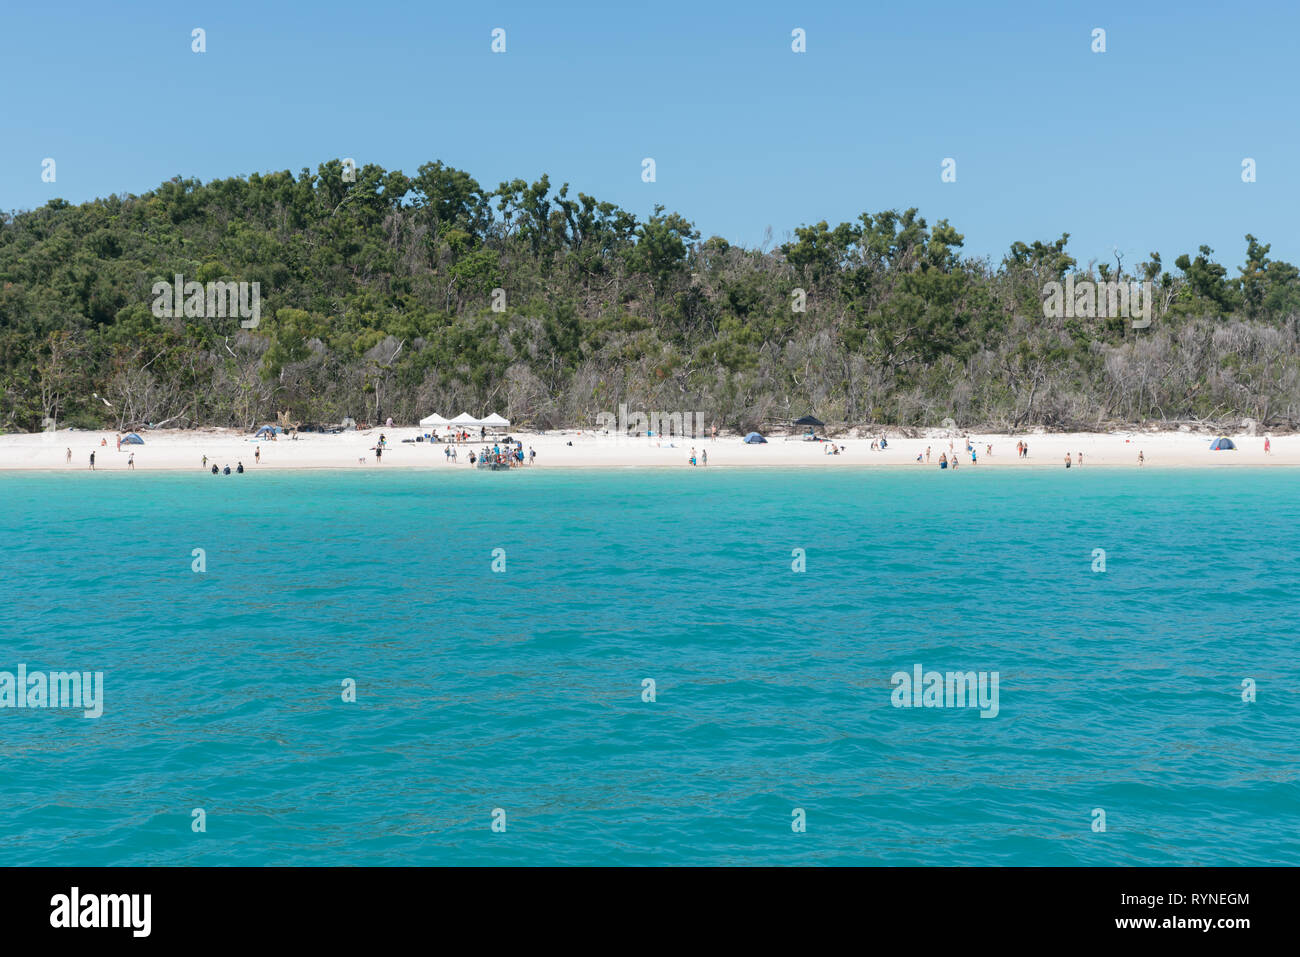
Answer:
(1067, 460)
(68, 459)
(130, 461)
(205, 461)
(532, 453)
(1268, 446)
(1080, 457)
(119, 441)
(927, 455)
(379, 454)
(704, 457)
(92, 461)
(257, 455)
(1141, 459)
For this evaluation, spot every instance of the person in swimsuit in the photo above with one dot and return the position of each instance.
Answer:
(379, 454)
(257, 455)
(68, 459)
(1141, 459)
(130, 461)
(92, 461)
(943, 460)
(1067, 460)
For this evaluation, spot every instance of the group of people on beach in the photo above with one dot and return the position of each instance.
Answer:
(702, 459)
(239, 466)
(508, 456)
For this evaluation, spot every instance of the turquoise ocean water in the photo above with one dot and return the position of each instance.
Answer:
(522, 689)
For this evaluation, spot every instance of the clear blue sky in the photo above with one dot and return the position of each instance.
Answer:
(1138, 148)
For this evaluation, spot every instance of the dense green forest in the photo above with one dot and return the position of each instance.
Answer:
(377, 301)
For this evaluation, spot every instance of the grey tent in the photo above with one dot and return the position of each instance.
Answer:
(132, 439)
(754, 439)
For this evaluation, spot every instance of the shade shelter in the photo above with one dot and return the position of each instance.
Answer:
(132, 439)
(434, 421)
(811, 421)
(755, 439)
(1218, 444)
(495, 421)
(267, 430)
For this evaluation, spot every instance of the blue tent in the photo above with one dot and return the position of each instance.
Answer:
(132, 439)
(267, 430)
(754, 439)
(1221, 444)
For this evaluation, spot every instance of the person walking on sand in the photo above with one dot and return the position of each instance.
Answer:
(68, 458)
(379, 454)
(1080, 458)
(205, 461)
(532, 454)
(130, 461)
(1268, 446)
(257, 455)
(92, 461)
(704, 457)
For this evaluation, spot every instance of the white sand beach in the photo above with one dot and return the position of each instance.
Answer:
(185, 449)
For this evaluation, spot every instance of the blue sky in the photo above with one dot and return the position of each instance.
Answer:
(1138, 148)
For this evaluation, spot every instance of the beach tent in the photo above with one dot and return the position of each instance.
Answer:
(434, 420)
(132, 439)
(465, 419)
(1221, 444)
(495, 421)
(267, 430)
(810, 420)
(754, 439)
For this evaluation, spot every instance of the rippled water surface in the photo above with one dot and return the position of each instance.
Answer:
(523, 689)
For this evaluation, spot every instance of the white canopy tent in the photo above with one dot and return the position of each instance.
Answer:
(495, 421)
(434, 420)
(465, 419)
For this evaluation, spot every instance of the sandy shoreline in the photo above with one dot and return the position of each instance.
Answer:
(183, 450)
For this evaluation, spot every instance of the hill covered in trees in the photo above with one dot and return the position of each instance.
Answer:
(384, 295)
